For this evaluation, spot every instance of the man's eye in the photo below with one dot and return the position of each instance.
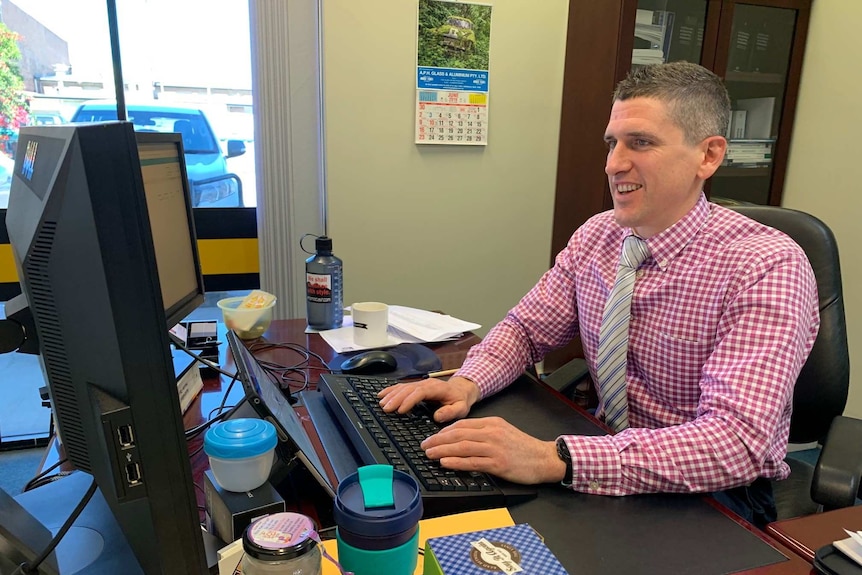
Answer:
(641, 143)
(611, 144)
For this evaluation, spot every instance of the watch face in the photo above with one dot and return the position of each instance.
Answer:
(566, 457)
(563, 451)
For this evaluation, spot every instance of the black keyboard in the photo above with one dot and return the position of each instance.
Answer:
(392, 438)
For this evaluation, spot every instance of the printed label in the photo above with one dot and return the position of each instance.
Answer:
(281, 530)
(496, 556)
(318, 288)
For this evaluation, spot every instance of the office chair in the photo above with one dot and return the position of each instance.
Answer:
(821, 388)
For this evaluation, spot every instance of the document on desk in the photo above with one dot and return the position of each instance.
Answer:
(406, 325)
(852, 546)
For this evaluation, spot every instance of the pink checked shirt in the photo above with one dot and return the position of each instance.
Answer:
(724, 314)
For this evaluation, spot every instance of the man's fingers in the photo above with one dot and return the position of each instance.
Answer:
(402, 397)
(461, 449)
(484, 464)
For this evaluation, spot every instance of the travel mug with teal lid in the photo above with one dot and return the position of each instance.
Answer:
(377, 511)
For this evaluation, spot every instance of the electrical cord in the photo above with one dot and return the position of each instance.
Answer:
(281, 374)
(32, 567)
(50, 479)
(32, 483)
(197, 430)
(182, 346)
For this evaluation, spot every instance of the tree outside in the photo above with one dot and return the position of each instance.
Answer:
(13, 104)
(454, 34)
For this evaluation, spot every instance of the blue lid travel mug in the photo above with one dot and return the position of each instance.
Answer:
(377, 511)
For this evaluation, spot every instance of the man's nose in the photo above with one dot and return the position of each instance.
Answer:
(617, 160)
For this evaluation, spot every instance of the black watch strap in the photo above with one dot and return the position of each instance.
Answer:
(565, 457)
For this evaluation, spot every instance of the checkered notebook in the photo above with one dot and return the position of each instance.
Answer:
(507, 550)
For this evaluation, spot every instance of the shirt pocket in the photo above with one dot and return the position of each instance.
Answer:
(672, 363)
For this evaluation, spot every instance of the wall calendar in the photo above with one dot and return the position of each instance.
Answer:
(451, 117)
(452, 73)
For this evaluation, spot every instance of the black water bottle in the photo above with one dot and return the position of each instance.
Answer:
(324, 283)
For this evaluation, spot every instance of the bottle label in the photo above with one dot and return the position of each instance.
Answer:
(318, 288)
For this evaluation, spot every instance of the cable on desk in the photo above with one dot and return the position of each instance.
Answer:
(49, 479)
(280, 373)
(181, 346)
(32, 567)
(32, 483)
(198, 429)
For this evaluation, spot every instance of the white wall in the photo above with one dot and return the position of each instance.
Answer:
(823, 176)
(464, 229)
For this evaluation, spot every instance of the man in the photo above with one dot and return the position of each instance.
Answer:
(722, 317)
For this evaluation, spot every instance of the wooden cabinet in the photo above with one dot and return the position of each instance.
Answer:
(755, 45)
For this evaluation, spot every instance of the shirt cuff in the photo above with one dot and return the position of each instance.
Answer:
(596, 465)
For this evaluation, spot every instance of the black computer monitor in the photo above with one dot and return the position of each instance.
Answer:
(101, 229)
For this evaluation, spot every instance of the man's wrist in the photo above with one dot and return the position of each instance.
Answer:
(565, 456)
(470, 387)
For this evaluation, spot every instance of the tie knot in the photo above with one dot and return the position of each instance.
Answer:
(635, 251)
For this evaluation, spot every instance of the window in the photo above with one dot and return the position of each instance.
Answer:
(186, 68)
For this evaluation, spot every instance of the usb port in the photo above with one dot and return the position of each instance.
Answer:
(126, 436)
(133, 473)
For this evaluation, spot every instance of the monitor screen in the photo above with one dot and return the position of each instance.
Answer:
(169, 207)
(106, 256)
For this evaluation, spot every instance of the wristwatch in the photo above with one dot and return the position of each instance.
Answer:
(566, 457)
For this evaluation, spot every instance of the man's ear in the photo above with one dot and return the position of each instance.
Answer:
(713, 149)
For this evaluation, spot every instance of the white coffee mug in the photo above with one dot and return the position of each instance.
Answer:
(370, 324)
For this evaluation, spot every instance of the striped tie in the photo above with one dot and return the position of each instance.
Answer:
(614, 336)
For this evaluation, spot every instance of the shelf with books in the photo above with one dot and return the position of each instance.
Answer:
(653, 30)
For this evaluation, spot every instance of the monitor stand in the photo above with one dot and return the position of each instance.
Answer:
(94, 545)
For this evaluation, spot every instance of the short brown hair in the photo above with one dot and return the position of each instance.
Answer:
(697, 100)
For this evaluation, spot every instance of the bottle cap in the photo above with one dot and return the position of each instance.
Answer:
(279, 537)
(323, 244)
(240, 438)
(367, 522)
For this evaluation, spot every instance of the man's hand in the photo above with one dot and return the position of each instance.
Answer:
(457, 396)
(493, 445)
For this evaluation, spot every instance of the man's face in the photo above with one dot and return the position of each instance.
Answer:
(655, 177)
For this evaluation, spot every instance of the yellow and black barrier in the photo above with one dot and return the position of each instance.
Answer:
(227, 244)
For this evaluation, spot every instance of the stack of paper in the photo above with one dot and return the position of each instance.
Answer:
(852, 546)
(406, 325)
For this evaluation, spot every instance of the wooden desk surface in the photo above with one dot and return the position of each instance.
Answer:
(805, 535)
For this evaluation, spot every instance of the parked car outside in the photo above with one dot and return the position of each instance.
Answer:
(45, 118)
(212, 185)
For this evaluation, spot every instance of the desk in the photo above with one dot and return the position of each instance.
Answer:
(805, 535)
(682, 534)
(671, 534)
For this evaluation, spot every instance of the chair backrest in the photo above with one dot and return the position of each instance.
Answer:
(822, 386)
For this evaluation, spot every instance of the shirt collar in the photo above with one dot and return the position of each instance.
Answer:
(667, 244)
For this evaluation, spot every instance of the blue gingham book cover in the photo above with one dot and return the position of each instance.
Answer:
(508, 550)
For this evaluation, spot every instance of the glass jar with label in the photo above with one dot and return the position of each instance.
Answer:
(281, 543)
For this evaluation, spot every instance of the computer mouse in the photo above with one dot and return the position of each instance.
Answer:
(370, 363)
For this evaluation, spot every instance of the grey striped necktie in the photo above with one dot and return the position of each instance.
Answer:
(614, 336)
